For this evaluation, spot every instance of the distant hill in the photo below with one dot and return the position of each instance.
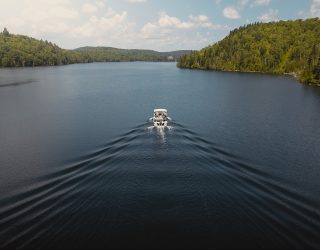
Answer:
(277, 47)
(19, 51)
(114, 54)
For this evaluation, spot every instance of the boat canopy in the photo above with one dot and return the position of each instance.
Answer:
(160, 110)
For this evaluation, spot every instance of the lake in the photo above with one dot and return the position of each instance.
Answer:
(81, 166)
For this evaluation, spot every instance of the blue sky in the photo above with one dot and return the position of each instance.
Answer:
(162, 25)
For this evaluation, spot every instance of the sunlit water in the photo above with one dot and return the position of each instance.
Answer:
(82, 166)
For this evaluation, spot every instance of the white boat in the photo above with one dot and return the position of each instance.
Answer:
(160, 117)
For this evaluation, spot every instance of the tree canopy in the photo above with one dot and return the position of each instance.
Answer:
(6, 32)
(275, 47)
(20, 51)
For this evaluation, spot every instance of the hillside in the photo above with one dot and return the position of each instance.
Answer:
(19, 51)
(115, 54)
(277, 47)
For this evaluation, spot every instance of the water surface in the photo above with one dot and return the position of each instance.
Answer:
(81, 167)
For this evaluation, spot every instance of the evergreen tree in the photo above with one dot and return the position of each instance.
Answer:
(5, 32)
(276, 47)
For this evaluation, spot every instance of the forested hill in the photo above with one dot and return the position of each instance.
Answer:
(276, 47)
(115, 54)
(18, 50)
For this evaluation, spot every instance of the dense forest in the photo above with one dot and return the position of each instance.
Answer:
(102, 54)
(19, 51)
(277, 47)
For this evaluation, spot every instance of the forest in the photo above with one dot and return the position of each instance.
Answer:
(109, 54)
(283, 47)
(20, 51)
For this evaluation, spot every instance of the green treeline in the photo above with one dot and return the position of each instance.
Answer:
(278, 47)
(20, 51)
(17, 50)
(109, 54)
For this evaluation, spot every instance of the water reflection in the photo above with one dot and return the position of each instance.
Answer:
(160, 133)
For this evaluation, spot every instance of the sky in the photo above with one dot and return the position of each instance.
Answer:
(163, 25)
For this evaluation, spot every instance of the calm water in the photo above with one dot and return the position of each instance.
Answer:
(81, 167)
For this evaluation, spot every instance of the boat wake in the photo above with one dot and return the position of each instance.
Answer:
(164, 181)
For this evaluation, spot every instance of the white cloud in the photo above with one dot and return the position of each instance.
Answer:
(167, 21)
(136, 1)
(100, 4)
(37, 18)
(315, 8)
(167, 24)
(231, 12)
(260, 2)
(203, 21)
(200, 18)
(95, 23)
(243, 2)
(270, 15)
(115, 29)
(172, 30)
(112, 26)
(89, 8)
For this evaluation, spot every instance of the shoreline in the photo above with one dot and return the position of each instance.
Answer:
(57, 65)
(292, 74)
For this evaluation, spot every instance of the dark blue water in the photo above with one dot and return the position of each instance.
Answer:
(80, 167)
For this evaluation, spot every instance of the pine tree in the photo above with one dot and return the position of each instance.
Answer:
(5, 32)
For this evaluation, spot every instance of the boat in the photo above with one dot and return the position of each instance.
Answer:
(160, 117)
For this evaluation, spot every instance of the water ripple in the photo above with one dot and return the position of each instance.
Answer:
(149, 177)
